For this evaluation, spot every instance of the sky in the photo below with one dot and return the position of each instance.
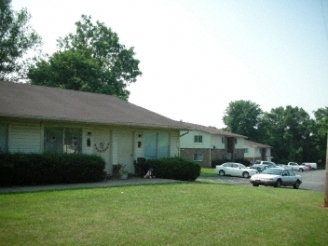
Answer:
(197, 56)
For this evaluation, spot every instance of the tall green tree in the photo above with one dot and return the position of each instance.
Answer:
(69, 69)
(289, 131)
(320, 133)
(242, 117)
(109, 67)
(16, 39)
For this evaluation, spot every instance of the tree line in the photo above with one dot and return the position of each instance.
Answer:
(290, 131)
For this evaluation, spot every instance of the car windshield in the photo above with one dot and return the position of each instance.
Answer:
(272, 171)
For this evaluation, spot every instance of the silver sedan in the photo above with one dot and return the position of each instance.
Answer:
(277, 177)
(234, 169)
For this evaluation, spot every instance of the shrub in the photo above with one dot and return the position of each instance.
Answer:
(35, 169)
(174, 168)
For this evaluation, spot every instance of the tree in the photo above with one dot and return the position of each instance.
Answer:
(16, 38)
(68, 69)
(242, 117)
(289, 131)
(320, 133)
(321, 116)
(107, 66)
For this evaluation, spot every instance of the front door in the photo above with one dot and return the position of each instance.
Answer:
(102, 146)
(125, 149)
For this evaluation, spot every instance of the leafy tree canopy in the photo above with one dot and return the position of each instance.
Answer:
(92, 60)
(320, 141)
(16, 38)
(321, 116)
(289, 131)
(242, 117)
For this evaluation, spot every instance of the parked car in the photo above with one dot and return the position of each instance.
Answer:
(311, 165)
(259, 167)
(234, 169)
(269, 163)
(284, 166)
(295, 166)
(277, 177)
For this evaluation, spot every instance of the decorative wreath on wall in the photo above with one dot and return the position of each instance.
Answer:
(102, 149)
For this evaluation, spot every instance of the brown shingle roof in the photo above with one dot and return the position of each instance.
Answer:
(212, 130)
(254, 144)
(40, 102)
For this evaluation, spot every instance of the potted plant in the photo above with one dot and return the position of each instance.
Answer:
(123, 172)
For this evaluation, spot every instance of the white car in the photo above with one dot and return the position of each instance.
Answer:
(311, 165)
(269, 163)
(235, 169)
(295, 166)
(277, 177)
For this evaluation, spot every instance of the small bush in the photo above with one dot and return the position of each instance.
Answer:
(174, 168)
(35, 169)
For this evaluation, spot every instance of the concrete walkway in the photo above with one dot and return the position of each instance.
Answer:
(107, 183)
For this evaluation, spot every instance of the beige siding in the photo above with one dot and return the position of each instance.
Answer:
(101, 145)
(138, 143)
(87, 137)
(24, 138)
(174, 144)
(125, 149)
(240, 143)
(29, 137)
(187, 141)
(216, 142)
(251, 152)
(114, 152)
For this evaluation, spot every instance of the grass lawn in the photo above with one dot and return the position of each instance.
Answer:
(196, 213)
(208, 172)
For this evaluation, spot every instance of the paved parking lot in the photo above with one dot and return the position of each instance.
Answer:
(312, 180)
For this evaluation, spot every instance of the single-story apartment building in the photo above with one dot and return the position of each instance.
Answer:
(206, 144)
(38, 119)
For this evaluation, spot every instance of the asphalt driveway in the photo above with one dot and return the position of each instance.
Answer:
(312, 180)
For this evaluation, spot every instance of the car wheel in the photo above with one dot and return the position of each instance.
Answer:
(301, 169)
(278, 184)
(245, 175)
(256, 185)
(297, 184)
(221, 173)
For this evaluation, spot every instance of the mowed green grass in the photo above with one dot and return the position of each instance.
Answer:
(191, 213)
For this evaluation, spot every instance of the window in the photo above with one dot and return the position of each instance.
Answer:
(246, 150)
(3, 138)
(198, 138)
(222, 140)
(157, 145)
(198, 157)
(235, 140)
(63, 140)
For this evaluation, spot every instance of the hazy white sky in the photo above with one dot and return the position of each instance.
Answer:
(198, 56)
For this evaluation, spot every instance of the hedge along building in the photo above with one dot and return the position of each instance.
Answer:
(38, 119)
